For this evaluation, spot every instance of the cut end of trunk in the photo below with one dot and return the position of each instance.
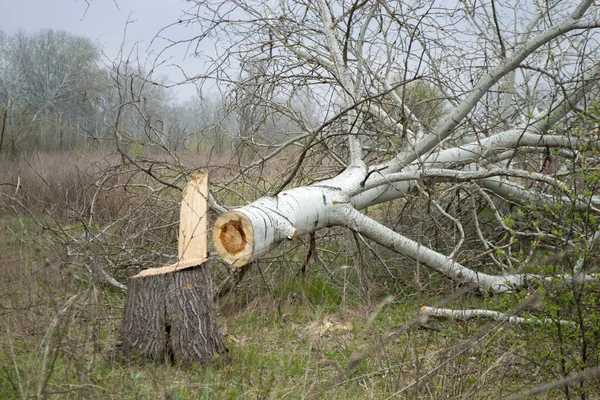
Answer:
(233, 238)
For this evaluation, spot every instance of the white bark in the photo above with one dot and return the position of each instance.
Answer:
(381, 188)
(495, 315)
(448, 124)
(271, 219)
(347, 86)
(347, 216)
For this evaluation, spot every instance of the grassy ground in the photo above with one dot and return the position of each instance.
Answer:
(348, 335)
(296, 344)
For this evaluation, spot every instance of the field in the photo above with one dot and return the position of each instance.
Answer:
(346, 327)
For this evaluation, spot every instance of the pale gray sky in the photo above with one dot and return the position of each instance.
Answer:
(104, 22)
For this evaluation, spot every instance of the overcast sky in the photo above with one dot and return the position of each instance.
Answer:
(104, 22)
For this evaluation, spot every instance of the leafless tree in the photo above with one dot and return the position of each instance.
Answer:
(506, 115)
(51, 88)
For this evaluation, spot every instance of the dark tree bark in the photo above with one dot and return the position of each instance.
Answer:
(171, 318)
(3, 129)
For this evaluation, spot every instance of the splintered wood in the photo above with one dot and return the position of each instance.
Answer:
(193, 228)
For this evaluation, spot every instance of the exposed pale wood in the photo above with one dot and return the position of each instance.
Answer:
(193, 221)
(233, 237)
(193, 228)
(171, 268)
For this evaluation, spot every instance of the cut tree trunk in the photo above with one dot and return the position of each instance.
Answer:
(169, 314)
(170, 318)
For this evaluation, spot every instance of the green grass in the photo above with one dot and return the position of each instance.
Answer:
(293, 342)
(289, 336)
(290, 350)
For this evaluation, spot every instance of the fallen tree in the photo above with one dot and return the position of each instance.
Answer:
(506, 114)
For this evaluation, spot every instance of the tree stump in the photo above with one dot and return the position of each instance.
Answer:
(170, 317)
(169, 313)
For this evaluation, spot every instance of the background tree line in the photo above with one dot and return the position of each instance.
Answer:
(57, 92)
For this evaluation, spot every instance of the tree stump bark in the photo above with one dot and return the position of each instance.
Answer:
(171, 318)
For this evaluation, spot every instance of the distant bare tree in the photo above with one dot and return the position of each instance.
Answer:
(52, 83)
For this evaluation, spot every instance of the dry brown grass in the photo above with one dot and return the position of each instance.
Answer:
(76, 184)
(58, 183)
